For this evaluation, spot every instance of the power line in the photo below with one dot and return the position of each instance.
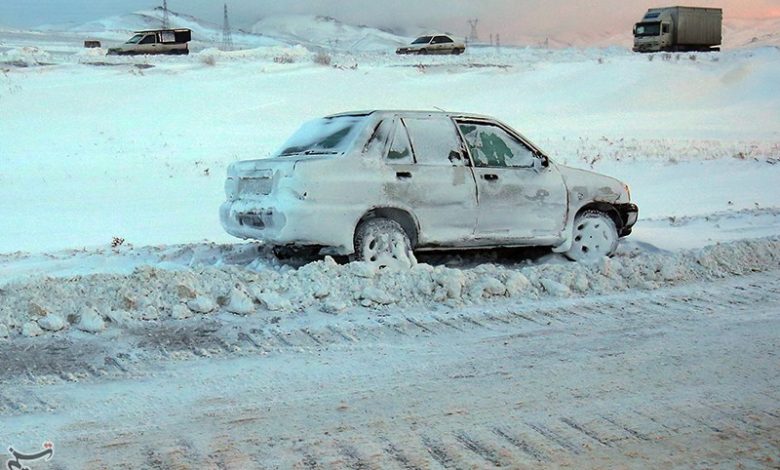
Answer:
(473, 36)
(227, 37)
(165, 22)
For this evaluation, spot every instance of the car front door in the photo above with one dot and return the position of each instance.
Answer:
(519, 199)
(148, 45)
(431, 176)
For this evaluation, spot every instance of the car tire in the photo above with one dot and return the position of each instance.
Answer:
(457, 51)
(594, 236)
(423, 52)
(382, 241)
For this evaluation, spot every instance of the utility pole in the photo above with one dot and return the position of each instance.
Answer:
(473, 36)
(227, 37)
(498, 41)
(165, 22)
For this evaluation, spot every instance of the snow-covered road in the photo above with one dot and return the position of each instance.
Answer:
(651, 380)
(182, 347)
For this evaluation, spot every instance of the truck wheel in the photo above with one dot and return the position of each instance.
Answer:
(594, 236)
(382, 241)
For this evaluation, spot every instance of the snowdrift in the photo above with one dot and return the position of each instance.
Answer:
(151, 294)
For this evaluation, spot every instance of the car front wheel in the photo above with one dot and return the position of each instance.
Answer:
(594, 236)
(384, 242)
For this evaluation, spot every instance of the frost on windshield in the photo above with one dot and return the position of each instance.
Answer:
(491, 146)
(325, 136)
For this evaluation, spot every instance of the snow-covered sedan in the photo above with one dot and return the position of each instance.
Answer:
(380, 184)
(433, 44)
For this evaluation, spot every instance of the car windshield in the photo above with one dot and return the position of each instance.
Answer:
(325, 136)
(648, 29)
(135, 39)
(422, 40)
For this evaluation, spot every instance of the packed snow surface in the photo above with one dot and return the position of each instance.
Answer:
(112, 169)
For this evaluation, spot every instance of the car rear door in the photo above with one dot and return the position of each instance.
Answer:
(442, 44)
(519, 199)
(432, 178)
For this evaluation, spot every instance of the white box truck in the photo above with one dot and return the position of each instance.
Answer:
(679, 29)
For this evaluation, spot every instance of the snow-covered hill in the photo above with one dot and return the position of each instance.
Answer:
(328, 33)
(118, 27)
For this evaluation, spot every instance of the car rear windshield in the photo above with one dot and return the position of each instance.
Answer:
(325, 136)
(422, 40)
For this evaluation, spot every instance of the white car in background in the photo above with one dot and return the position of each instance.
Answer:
(433, 44)
(379, 184)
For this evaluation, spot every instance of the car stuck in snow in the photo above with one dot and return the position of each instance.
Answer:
(433, 44)
(379, 184)
(156, 41)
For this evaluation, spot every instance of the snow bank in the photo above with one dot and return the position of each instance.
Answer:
(26, 56)
(91, 303)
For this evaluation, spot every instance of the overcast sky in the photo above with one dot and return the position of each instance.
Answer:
(507, 17)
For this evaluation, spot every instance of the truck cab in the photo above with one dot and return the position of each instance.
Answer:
(654, 32)
(156, 41)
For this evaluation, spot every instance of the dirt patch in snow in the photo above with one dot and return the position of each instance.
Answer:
(95, 303)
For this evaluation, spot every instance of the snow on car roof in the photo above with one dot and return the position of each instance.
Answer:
(411, 112)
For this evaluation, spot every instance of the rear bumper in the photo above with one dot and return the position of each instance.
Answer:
(629, 213)
(304, 224)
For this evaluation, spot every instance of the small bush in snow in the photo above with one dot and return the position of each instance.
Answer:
(322, 58)
(209, 60)
(116, 242)
(284, 59)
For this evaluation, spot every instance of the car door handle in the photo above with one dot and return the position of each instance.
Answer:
(490, 177)
(403, 175)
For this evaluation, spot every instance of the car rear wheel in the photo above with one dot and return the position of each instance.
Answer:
(457, 51)
(383, 242)
(594, 236)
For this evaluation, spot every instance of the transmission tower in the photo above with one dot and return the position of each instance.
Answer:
(473, 36)
(227, 37)
(165, 22)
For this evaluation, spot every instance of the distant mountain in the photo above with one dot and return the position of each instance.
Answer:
(319, 32)
(751, 33)
(121, 26)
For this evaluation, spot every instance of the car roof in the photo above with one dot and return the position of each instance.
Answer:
(176, 30)
(408, 112)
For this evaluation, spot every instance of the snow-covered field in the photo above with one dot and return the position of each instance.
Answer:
(95, 150)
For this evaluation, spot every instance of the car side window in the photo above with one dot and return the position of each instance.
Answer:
(435, 141)
(442, 40)
(400, 150)
(492, 146)
(148, 39)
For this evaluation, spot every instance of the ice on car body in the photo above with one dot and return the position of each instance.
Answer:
(447, 180)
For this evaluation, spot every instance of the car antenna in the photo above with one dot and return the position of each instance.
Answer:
(440, 109)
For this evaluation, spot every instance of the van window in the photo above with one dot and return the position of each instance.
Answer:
(435, 141)
(492, 146)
